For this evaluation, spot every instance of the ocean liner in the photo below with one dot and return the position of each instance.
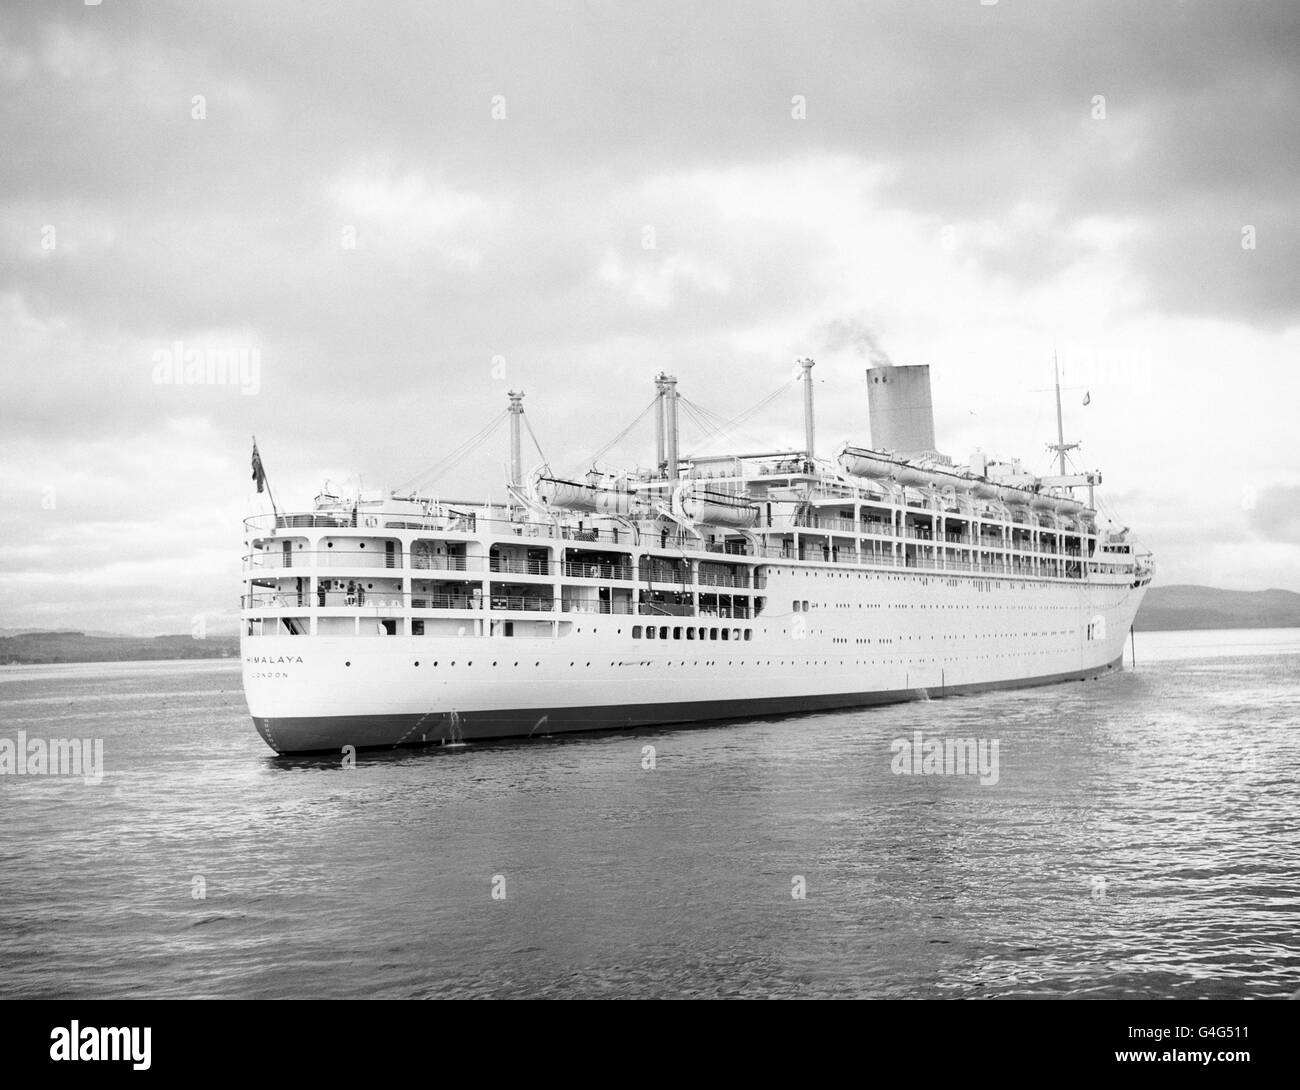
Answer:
(703, 588)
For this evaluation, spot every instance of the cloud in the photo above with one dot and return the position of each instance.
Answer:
(855, 333)
(1274, 512)
(951, 197)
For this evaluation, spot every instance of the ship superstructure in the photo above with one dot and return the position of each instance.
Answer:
(704, 588)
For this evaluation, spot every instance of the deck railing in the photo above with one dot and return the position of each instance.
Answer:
(659, 573)
(665, 609)
(315, 558)
(519, 567)
(446, 563)
(721, 579)
(1014, 558)
(821, 522)
(372, 601)
(614, 537)
(598, 571)
(597, 607)
(522, 604)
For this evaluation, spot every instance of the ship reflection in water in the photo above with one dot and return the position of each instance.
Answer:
(1138, 841)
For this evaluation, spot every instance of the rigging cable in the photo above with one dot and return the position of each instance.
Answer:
(735, 421)
(654, 401)
(712, 431)
(453, 459)
(696, 413)
(546, 462)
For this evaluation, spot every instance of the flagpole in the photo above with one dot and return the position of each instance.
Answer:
(1060, 428)
(261, 473)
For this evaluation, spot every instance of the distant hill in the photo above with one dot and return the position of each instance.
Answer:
(43, 647)
(50, 631)
(1189, 607)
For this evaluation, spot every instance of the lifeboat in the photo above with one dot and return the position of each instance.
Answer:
(719, 509)
(573, 496)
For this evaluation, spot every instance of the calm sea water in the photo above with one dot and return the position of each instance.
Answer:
(1141, 841)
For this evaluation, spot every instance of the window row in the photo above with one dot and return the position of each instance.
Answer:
(689, 632)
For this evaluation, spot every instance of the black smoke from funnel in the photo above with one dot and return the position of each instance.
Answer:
(855, 333)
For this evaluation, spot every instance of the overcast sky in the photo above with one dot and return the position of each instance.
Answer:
(408, 209)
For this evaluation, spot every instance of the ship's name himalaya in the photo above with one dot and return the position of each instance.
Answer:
(268, 660)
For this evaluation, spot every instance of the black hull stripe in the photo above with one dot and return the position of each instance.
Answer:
(329, 734)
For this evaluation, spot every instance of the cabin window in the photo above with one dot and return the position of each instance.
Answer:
(796, 607)
(690, 633)
(805, 607)
(663, 632)
(724, 633)
(749, 632)
(713, 633)
(677, 633)
(650, 632)
(636, 631)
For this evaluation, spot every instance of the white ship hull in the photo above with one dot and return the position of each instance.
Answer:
(866, 637)
(706, 588)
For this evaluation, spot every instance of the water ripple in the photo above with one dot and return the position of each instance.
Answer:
(1139, 842)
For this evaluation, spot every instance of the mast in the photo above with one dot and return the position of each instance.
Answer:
(516, 412)
(1060, 427)
(808, 424)
(1060, 446)
(660, 457)
(670, 424)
